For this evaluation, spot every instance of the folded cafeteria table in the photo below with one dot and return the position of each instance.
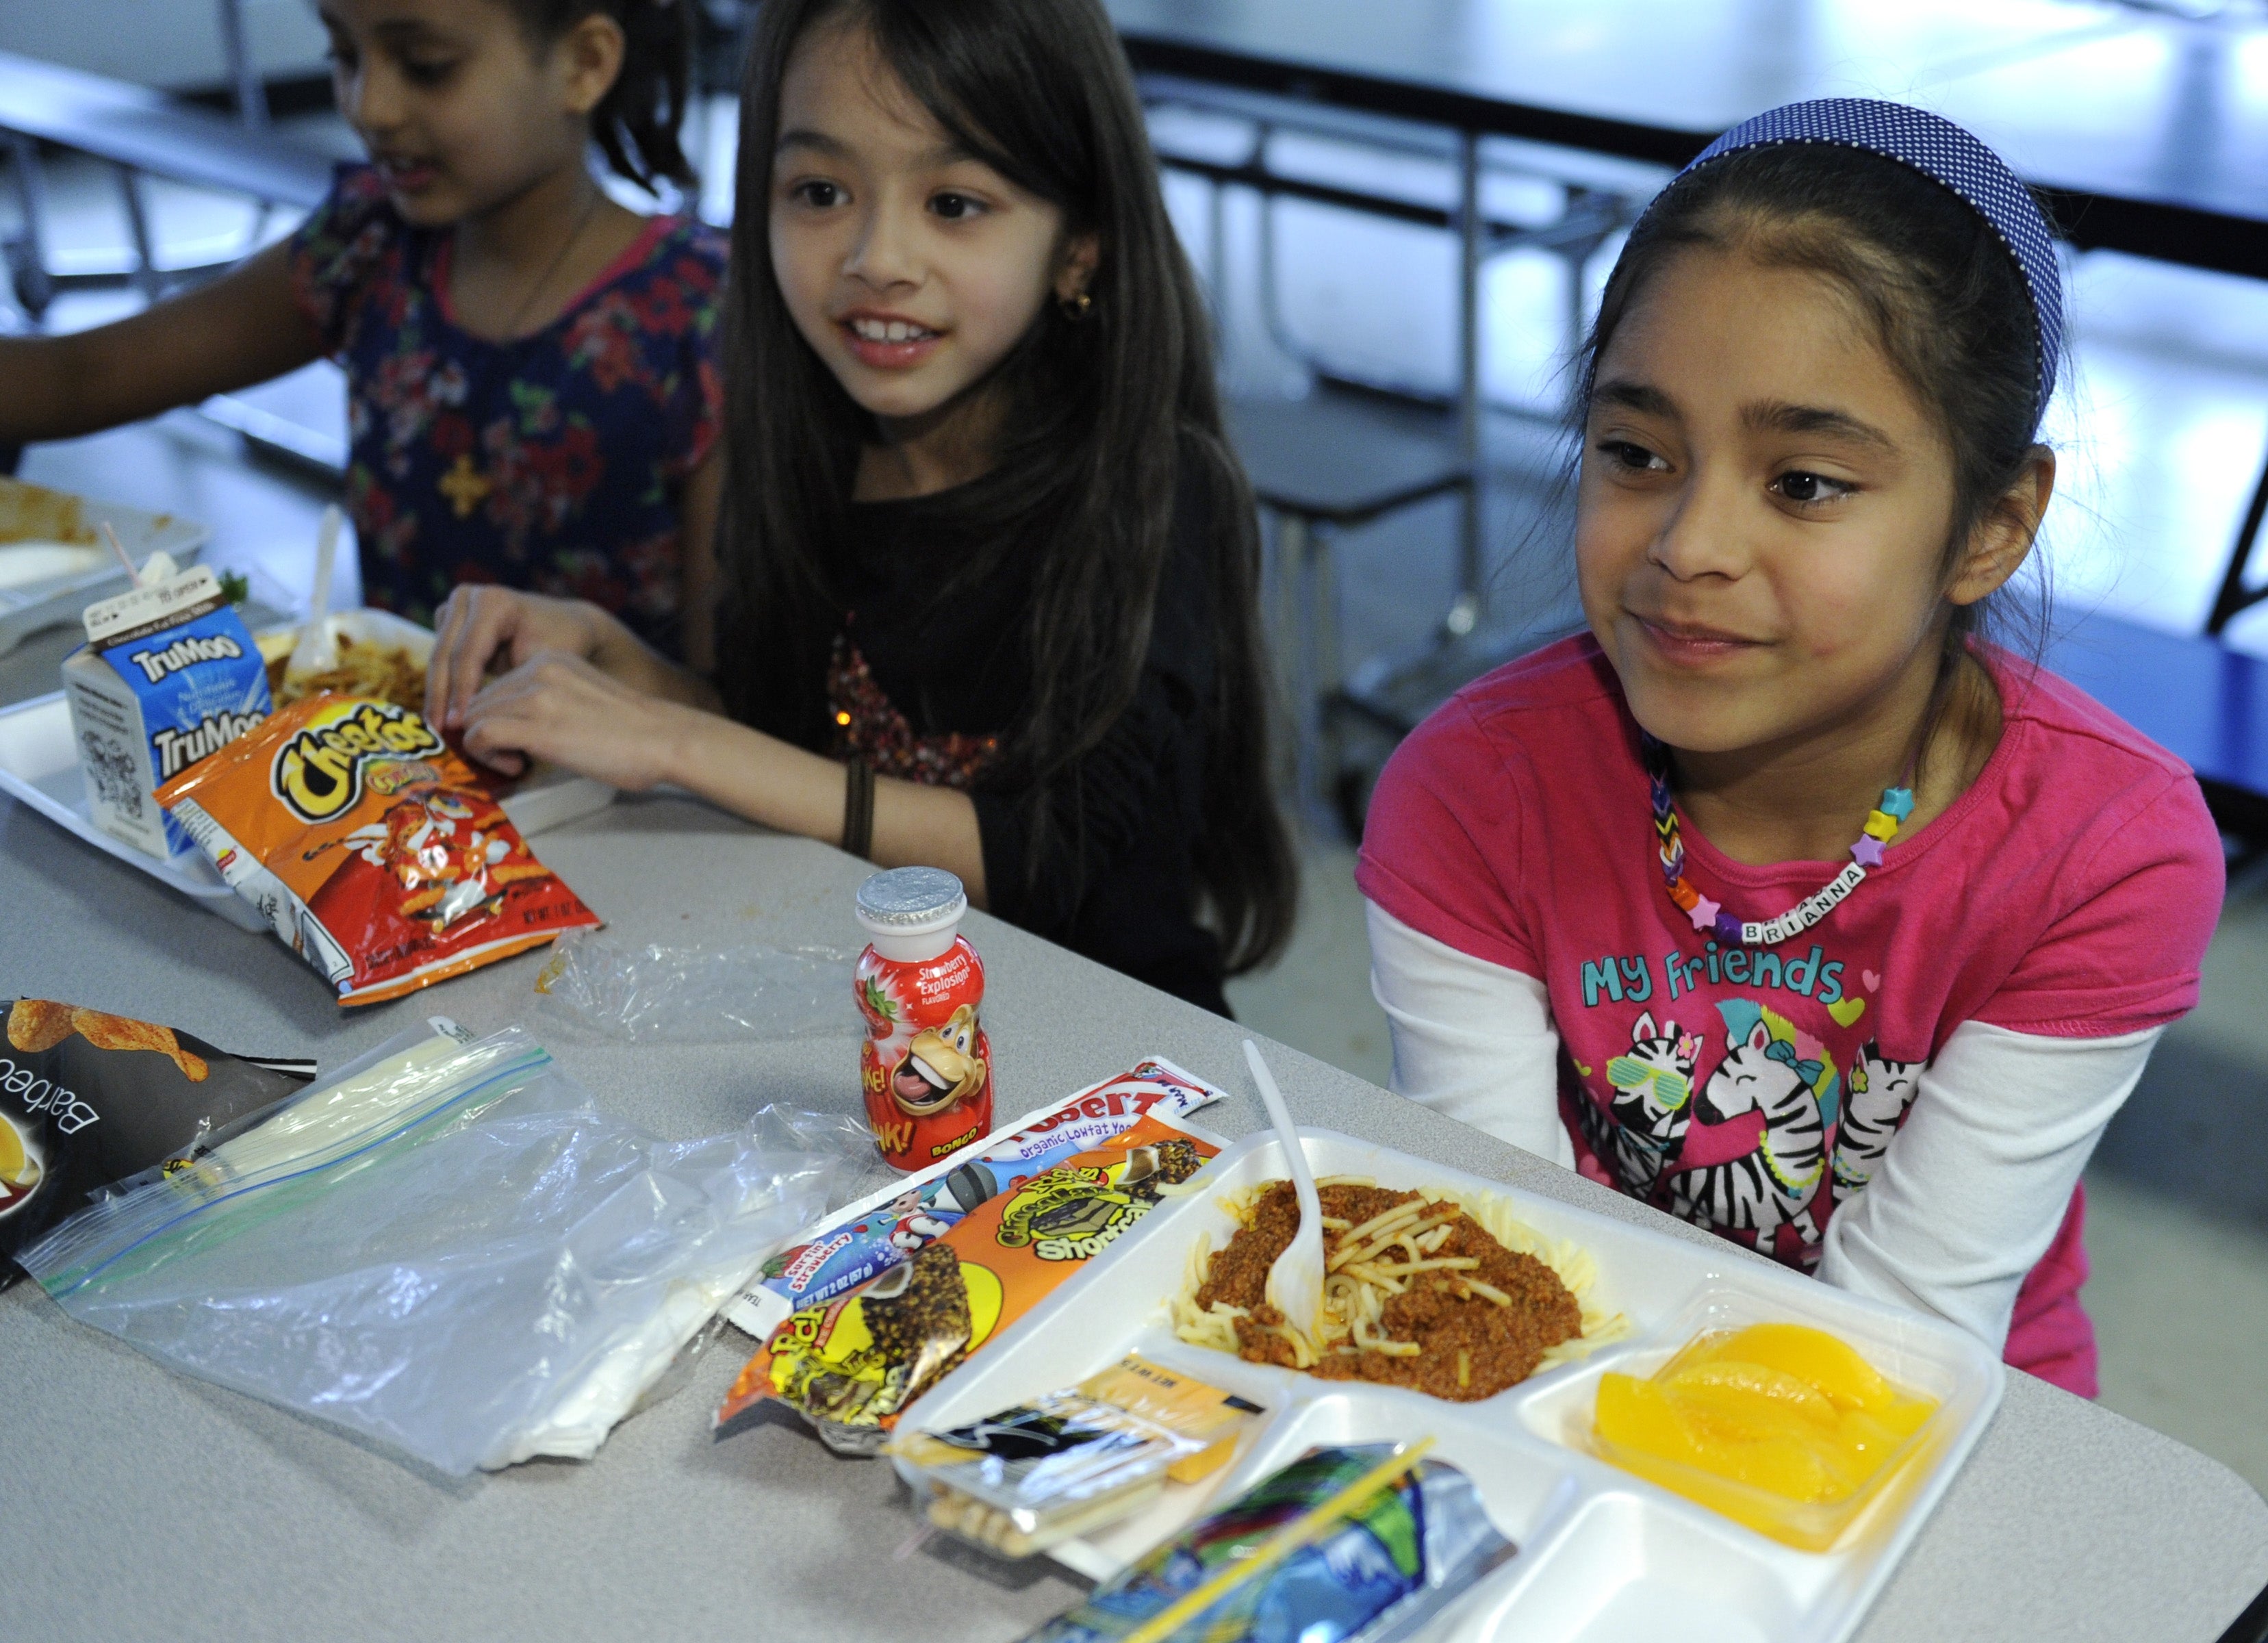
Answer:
(138, 1503)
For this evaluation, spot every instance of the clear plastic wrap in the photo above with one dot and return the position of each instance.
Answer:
(451, 1252)
(699, 995)
(843, 1136)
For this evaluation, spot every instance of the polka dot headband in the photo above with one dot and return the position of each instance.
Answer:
(1946, 154)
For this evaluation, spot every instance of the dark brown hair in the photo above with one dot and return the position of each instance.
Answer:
(1943, 295)
(637, 123)
(1106, 418)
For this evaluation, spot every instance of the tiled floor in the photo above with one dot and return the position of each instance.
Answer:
(2162, 440)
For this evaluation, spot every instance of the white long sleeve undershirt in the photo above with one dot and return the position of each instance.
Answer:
(1964, 1201)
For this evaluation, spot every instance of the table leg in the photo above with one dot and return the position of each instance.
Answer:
(1464, 611)
(137, 220)
(1324, 682)
(28, 252)
(1217, 256)
(243, 72)
(2234, 596)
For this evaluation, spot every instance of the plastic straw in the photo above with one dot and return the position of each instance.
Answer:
(1307, 1529)
(313, 650)
(119, 548)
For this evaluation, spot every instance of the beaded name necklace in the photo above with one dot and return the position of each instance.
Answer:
(1882, 828)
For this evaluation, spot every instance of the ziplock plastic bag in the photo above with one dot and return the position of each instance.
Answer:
(451, 1252)
(700, 994)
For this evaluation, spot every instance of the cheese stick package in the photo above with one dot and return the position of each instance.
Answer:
(867, 1238)
(373, 851)
(851, 1365)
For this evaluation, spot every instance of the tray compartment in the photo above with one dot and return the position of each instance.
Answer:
(1633, 1277)
(1627, 1572)
(1525, 1485)
(32, 513)
(1914, 1354)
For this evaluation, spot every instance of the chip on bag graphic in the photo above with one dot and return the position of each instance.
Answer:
(88, 1099)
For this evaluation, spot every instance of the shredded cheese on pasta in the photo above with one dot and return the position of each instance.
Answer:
(1364, 1270)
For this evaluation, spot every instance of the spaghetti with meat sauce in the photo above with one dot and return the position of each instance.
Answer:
(1417, 1292)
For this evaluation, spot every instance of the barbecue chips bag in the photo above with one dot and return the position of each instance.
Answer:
(851, 1365)
(88, 1098)
(374, 851)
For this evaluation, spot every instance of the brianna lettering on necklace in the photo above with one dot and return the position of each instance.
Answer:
(1882, 826)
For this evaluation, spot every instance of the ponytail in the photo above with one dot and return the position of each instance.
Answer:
(636, 124)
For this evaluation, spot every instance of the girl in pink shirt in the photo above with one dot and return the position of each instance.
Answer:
(1783, 899)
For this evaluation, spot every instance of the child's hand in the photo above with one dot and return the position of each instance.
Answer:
(477, 625)
(559, 708)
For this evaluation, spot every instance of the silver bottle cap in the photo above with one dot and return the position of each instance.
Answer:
(911, 902)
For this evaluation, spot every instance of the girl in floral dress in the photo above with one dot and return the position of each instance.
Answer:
(533, 390)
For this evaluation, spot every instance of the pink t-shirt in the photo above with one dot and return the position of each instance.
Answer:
(2070, 892)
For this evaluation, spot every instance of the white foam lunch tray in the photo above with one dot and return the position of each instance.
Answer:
(34, 513)
(1605, 1556)
(38, 766)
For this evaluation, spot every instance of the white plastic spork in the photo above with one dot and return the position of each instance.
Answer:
(1295, 1283)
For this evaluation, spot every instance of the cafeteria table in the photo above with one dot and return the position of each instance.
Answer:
(2145, 131)
(142, 1504)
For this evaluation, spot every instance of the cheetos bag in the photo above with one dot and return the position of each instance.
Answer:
(373, 850)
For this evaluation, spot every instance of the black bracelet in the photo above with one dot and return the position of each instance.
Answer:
(859, 808)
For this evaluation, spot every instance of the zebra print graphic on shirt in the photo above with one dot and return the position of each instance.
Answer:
(1881, 1094)
(1757, 1193)
(1653, 1087)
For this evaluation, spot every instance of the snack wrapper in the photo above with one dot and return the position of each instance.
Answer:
(1019, 1481)
(851, 1365)
(1381, 1574)
(868, 1238)
(88, 1099)
(371, 847)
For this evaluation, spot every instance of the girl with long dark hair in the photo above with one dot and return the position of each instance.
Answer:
(989, 565)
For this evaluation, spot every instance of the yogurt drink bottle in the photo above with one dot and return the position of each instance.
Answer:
(925, 1068)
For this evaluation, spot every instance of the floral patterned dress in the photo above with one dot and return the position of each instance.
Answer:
(556, 461)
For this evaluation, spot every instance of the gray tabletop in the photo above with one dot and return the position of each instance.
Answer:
(138, 1503)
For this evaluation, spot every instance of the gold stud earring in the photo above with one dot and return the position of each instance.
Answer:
(1076, 308)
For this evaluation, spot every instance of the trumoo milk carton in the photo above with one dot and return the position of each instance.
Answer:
(169, 674)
